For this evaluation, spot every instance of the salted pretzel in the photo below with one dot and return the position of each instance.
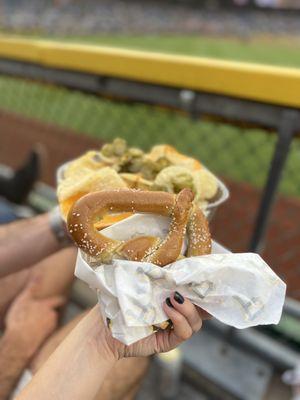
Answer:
(89, 208)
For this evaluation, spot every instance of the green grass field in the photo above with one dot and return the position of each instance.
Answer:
(239, 154)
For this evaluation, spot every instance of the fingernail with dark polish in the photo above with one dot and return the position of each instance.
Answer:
(178, 297)
(168, 302)
(171, 326)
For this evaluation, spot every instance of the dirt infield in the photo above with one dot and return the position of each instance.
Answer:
(233, 222)
(18, 135)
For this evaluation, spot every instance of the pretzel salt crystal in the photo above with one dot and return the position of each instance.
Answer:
(198, 233)
(86, 210)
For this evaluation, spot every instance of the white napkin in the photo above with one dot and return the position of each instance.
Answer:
(240, 289)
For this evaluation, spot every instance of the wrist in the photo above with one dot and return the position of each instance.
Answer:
(100, 339)
(58, 228)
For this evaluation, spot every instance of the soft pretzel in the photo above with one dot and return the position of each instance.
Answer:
(198, 233)
(85, 212)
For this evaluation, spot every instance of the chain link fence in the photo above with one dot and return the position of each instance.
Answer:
(237, 153)
(241, 156)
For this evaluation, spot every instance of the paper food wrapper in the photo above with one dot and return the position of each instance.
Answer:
(240, 290)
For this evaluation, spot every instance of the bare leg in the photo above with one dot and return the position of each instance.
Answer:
(25, 243)
(11, 228)
(54, 273)
(123, 381)
(12, 284)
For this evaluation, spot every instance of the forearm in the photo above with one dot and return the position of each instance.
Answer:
(13, 359)
(77, 369)
(24, 243)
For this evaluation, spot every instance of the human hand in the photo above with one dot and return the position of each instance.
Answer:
(30, 321)
(186, 319)
(90, 352)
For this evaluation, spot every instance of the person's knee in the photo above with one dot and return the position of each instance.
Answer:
(10, 287)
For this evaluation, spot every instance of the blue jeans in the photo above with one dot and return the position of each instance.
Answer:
(7, 213)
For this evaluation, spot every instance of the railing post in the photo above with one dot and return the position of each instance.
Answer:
(290, 121)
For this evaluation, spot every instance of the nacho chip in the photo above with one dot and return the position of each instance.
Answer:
(205, 184)
(173, 156)
(91, 160)
(134, 181)
(173, 179)
(86, 181)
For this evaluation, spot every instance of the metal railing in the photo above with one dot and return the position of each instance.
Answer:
(263, 96)
(254, 82)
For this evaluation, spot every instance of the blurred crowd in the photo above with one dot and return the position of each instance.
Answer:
(119, 16)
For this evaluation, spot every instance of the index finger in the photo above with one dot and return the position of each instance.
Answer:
(187, 309)
(204, 315)
(181, 327)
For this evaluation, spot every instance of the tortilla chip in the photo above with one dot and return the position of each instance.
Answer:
(174, 157)
(91, 160)
(135, 181)
(87, 181)
(205, 183)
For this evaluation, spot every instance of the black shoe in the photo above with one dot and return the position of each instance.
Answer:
(17, 188)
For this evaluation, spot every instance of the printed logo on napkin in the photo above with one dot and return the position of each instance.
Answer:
(240, 290)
